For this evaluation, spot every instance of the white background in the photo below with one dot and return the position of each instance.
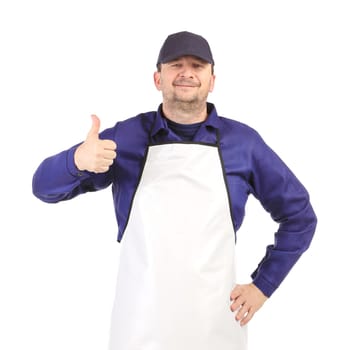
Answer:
(278, 70)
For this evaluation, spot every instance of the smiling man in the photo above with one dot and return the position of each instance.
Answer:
(180, 178)
(185, 84)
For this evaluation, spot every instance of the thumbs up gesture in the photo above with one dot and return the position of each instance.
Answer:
(94, 154)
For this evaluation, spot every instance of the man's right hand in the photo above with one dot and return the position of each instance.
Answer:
(94, 154)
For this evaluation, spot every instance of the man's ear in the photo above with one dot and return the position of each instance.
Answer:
(212, 82)
(157, 80)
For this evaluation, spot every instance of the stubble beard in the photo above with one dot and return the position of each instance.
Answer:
(186, 105)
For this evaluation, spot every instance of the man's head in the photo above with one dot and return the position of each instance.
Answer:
(185, 44)
(185, 74)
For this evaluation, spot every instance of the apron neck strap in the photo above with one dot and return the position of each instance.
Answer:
(150, 137)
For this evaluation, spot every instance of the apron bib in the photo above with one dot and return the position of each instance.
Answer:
(177, 257)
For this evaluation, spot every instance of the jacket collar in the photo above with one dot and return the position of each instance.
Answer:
(160, 123)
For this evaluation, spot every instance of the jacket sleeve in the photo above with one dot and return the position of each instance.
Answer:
(288, 202)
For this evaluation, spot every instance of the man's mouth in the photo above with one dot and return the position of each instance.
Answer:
(185, 83)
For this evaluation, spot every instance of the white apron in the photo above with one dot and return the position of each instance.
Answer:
(177, 257)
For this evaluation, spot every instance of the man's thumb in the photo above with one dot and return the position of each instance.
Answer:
(96, 123)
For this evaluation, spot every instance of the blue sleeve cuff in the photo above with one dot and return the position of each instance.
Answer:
(71, 166)
(266, 287)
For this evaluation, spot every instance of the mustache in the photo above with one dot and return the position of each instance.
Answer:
(185, 82)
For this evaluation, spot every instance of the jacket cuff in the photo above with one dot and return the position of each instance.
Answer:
(266, 287)
(71, 166)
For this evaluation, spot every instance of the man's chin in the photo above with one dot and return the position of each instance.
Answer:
(186, 99)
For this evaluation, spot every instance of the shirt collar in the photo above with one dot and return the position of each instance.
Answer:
(160, 124)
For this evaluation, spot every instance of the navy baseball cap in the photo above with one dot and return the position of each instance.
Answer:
(185, 44)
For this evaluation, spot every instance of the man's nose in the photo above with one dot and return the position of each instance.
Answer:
(186, 72)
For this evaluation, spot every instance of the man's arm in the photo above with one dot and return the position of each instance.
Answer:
(80, 169)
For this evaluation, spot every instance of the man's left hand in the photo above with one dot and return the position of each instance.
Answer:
(246, 300)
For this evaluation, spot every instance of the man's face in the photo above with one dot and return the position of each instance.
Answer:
(185, 80)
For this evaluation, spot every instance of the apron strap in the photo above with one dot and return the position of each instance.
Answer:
(151, 142)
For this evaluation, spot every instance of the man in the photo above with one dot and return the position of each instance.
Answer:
(180, 179)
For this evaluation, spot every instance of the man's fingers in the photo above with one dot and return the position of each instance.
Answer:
(103, 166)
(102, 169)
(237, 303)
(94, 130)
(104, 156)
(244, 315)
(235, 292)
(236, 297)
(109, 145)
(244, 312)
(246, 300)
(109, 155)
